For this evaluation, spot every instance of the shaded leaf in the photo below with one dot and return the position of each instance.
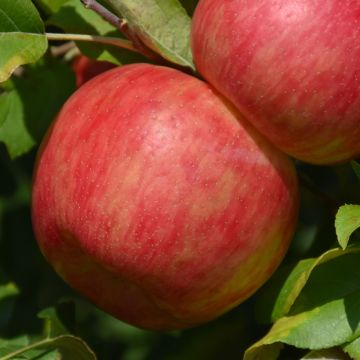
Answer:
(346, 222)
(73, 17)
(189, 5)
(327, 354)
(57, 319)
(163, 25)
(31, 105)
(8, 346)
(356, 167)
(353, 349)
(50, 6)
(71, 348)
(22, 38)
(330, 301)
(278, 296)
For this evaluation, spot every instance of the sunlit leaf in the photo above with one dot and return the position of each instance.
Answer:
(327, 311)
(73, 17)
(28, 109)
(22, 38)
(346, 222)
(163, 25)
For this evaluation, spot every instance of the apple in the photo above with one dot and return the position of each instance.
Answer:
(86, 68)
(291, 67)
(155, 199)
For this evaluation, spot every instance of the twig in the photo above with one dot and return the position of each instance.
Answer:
(62, 49)
(122, 26)
(124, 44)
(106, 14)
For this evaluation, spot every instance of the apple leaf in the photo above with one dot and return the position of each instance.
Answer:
(8, 292)
(7, 289)
(330, 354)
(22, 38)
(277, 297)
(73, 17)
(346, 222)
(50, 6)
(70, 348)
(10, 345)
(353, 348)
(356, 167)
(163, 25)
(23, 116)
(58, 320)
(189, 5)
(330, 301)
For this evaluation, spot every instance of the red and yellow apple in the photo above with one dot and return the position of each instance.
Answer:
(154, 199)
(292, 68)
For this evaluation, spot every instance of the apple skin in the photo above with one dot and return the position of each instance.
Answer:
(292, 68)
(86, 68)
(156, 201)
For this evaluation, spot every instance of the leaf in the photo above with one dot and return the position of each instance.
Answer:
(327, 354)
(22, 38)
(163, 25)
(70, 347)
(346, 222)
(8, 346)
(356, 167)
(330, 301)
(31, 105)
(58, 320)
(189, 5)
(50, 6)
(8, 291)
(73, 17)
(353, 349)
(278, 296)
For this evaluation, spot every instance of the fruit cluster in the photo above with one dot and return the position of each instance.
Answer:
(164, 199)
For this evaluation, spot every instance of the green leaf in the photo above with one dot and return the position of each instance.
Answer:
(50, 6)
(279, 295)
(8, 346)
(7, 289)
(327, 354)
(356, 167)
(28, 109)
(73, 17)
(163, 25)
(353, 349)
(327, 311)
(22, 38)
(346, 222)
(58, 320)
(8, 292)
(189, 5)
(70, 347)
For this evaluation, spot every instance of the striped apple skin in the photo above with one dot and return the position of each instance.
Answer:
(292, 68)
(155, 200)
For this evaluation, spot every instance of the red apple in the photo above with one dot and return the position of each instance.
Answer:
(292, 67)
(86, 68)
(154, 199)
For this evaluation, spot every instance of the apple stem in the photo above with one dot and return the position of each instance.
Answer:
(106, 14)
(122, 26)
(121, 43)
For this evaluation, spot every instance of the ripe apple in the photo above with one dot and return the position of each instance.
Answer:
(154, 199)
(292, 68)
(86, 68)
